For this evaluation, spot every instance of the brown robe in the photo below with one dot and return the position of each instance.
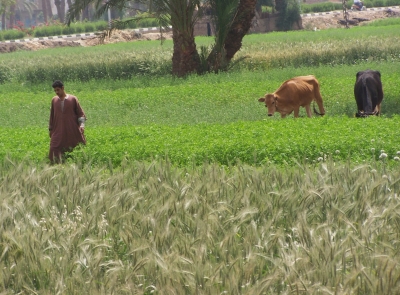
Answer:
(64, 127)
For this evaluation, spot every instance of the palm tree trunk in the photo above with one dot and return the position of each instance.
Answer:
(70, 4)
(49, 10)
(3, 21)
(185, 58)
(44, 10)
(62, 16)
(85, 13)
(12, 16)
(60, 5)
(240, 27)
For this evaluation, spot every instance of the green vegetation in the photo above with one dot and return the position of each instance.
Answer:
(75, 28)
(187, 187)
(263, 52)
(263, 142)
(212, 117)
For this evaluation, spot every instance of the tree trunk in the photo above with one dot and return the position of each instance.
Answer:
(62, 16)
(185, 59)
(44, 10)
(69, 4)
(12, 16)
(49, 10)
(60, 5)
(85, 14)
(3, 21)
(240, 27)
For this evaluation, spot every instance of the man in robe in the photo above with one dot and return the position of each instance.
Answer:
(66, 125)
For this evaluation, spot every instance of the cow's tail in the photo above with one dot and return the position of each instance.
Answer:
(316, 112)
(318, 99)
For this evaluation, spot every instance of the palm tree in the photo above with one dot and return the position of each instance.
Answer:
(60, 5)
(232, 20)
(44, 10)
(49, 11)
(180, 14)
(12, 14)
(4, 5)
(240, 27)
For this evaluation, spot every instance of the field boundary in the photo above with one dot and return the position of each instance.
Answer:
(141, 30)
(153, 29)
(340, 11)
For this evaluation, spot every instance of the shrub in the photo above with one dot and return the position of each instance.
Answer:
(88, 27)
(12, 35)
(288, 15)
(67, 30)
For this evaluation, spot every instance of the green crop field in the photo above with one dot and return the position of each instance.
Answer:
(187, 187)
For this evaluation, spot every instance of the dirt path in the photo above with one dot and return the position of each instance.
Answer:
(333, 19)
(117, 36)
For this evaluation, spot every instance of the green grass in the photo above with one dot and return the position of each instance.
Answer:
(146, 58)
(223, 98)
(260, 142)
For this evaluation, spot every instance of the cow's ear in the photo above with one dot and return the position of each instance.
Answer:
(261, 99)
(358, 74)
(379, 73)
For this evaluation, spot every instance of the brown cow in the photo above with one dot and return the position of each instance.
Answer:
(293, 94)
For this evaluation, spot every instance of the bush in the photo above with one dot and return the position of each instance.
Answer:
(288, 15)
(11, 35)
(88, 27)
(68, 30)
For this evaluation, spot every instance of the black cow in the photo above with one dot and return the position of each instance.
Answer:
(368, 93)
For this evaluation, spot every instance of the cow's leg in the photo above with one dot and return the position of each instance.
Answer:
(378, 109)
(308, 110)
(283, 115)
(296, 112)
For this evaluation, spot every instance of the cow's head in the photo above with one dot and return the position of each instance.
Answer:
(270, 103)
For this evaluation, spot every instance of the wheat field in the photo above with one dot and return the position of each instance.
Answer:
(151, 228)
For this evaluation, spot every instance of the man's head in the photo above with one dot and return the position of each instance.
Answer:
(58, 87)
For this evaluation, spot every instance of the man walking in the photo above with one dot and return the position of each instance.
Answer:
(66, 125)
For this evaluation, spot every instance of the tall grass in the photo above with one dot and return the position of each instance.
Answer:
(149, 228)
(264, 52)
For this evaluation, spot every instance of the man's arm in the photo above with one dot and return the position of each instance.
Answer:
(81, 121)
(81, 115)
(51, 120)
